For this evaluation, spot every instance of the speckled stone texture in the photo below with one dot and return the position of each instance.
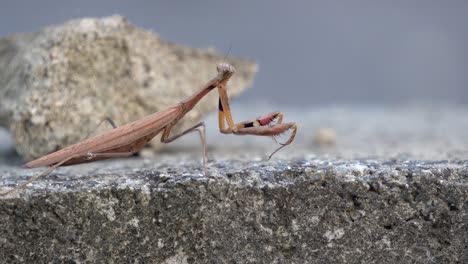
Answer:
(394, 197)
(58, 83)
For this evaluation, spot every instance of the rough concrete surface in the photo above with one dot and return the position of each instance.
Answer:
(390, 190)
(59, 82)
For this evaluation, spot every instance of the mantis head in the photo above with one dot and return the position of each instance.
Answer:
(225, 69)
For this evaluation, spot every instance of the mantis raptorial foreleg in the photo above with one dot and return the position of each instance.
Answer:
(262, 126)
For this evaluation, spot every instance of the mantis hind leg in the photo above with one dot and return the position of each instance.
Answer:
(33, 178)
(105, 119)
(88, 156)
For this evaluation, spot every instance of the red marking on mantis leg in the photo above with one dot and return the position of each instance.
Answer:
(267, 119)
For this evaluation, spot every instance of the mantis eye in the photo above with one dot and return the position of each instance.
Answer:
(225, 68)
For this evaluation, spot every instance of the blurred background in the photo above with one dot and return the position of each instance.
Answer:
(310, 52)
(316, 58)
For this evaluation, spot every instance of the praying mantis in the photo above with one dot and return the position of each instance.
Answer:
(128, 139)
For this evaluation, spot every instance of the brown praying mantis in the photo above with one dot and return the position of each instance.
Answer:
(128, 139)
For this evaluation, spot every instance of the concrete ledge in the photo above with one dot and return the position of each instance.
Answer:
(300, 210)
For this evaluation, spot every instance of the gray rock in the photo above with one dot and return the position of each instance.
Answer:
(58, 83)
